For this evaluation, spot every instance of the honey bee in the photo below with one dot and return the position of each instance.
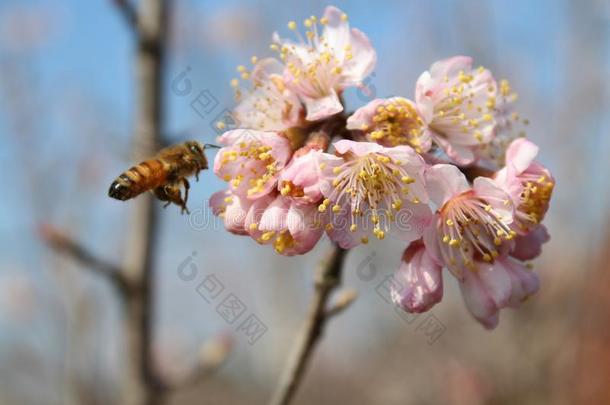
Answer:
(164, 174)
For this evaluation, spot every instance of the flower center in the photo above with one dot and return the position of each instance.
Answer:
(373, 185)
(313, 63)
(472, 229)
(462, 105)
(397, 123)
(254, 164)
(534, 199)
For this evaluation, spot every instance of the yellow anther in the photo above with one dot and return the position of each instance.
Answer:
(267, 236)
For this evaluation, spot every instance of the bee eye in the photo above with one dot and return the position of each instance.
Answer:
(194, 149)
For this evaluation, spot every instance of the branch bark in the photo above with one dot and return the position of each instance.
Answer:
(328, 277)
(62, 243)
(142, 383)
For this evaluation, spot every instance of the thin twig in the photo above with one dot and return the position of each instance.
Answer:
(128, 11)
(345, 299)
(62, 243)
(328, 277)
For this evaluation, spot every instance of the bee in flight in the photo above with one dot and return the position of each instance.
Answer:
(164, 174)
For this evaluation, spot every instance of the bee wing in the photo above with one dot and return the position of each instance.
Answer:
(136, 150)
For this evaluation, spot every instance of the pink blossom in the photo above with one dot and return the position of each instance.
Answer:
(418, 281)
(509, 127)
(268, 105)
(504, 283)
(292, 228)
(371, 188)
(391, 122)
(471, 223)
(302, 179)
(320, 66)
(456, 103)
(529, 246)
(232, 209)
(529, 184)
(251, 161)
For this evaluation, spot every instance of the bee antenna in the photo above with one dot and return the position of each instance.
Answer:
(210, 145)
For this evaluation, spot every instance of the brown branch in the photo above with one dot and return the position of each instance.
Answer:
(328, 277)
(142, 385)
(62, 243)
(128, 11)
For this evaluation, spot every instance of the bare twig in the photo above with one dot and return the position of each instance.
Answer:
(212, 354)
(328, 277)
(62, 243)
(344, 300)
(128, 11)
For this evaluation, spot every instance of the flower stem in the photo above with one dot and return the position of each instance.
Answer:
(328, 277)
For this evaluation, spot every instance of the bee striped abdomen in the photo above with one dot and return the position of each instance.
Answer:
(140, 178)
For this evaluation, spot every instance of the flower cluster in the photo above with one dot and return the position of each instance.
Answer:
(298, 167)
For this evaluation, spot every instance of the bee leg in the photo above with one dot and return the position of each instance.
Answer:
(169, 193)
(187, 186)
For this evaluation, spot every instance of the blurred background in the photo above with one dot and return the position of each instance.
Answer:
(67, 99)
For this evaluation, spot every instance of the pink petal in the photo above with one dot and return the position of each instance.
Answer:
(323, 107)
(524, 282)
(305, 227)
(461, 154)
(529, 246)
(431, 240)
(445, 182)
(477, 300)
(336, 32)
(358, 148)
(274, 217)
(491, 192)
(451, 66)
(410, 222)
(520, 155)
(419, 282)
(496, 281)
(363, 59)
(304, 172)
(254, 215)
(364, 114)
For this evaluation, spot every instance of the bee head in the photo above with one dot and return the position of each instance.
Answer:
(195, 147)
